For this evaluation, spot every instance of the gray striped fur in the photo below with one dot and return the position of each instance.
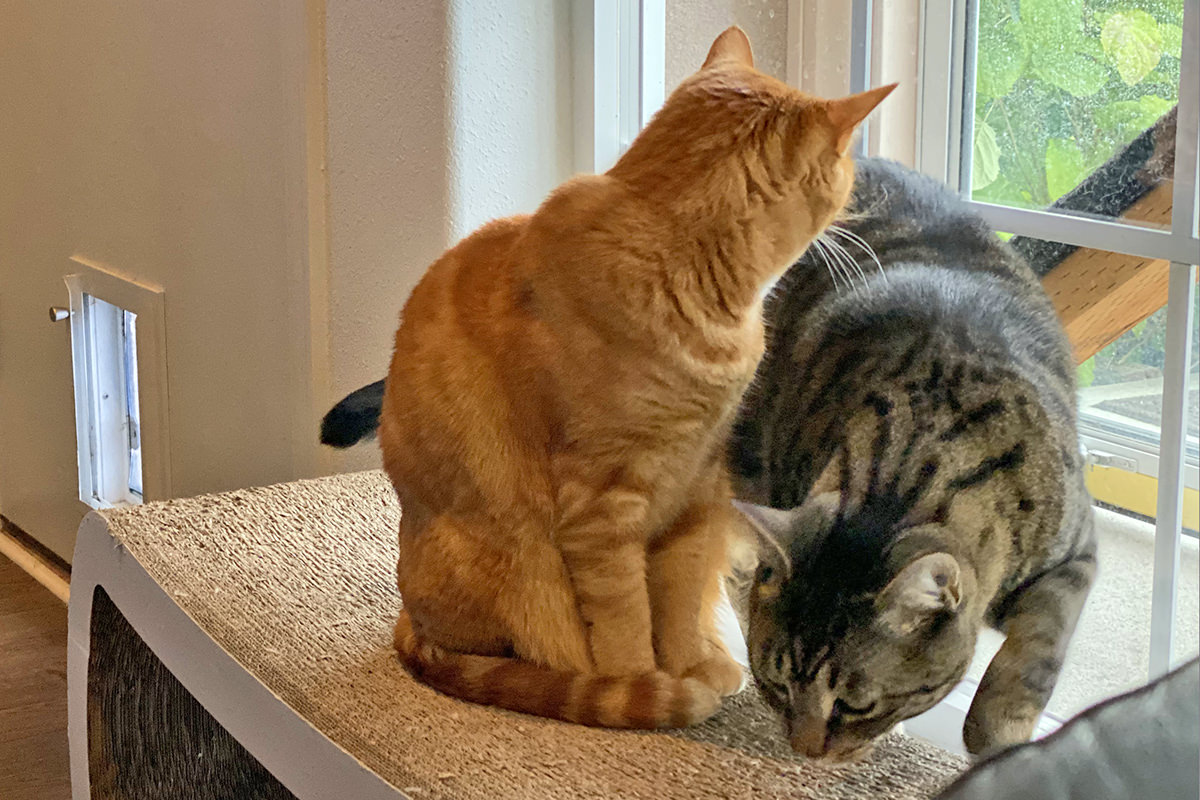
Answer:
(923, 405)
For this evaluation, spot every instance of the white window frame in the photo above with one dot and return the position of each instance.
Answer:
(824, 36)
(945, 92)
(620, 75)
(87, 279)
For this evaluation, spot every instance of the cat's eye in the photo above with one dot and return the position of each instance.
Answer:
(765, 573)
(842, 708)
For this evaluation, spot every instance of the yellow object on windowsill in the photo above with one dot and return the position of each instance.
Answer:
(1137, 493)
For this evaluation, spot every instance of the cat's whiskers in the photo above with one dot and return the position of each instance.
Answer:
(847, 265)
(849, 260)
(863, 244)
(844, 256)
(834, 272)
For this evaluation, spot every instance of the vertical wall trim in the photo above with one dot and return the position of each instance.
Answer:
(310, 459)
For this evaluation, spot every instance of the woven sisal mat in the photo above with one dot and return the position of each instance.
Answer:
(296, 582)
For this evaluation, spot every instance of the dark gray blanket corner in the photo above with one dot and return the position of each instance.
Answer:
(1144, 745)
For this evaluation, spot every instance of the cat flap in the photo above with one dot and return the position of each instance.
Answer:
(846, 113)
(733, 45)
(927, 585)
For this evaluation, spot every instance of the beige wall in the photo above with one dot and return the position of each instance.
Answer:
(285, 197)
(167, 142)
(693, 24)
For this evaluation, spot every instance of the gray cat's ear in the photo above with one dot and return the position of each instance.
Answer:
(773, 529)
(928, 585)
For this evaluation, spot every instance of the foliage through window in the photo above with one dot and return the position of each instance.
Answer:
(1063, 85)
(1123, 382)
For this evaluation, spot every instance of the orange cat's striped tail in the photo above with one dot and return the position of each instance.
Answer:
(651, 700)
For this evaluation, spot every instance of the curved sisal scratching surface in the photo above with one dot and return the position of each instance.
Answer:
(297, 582)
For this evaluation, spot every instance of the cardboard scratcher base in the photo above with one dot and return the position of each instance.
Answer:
(149, 738)
(264, 617)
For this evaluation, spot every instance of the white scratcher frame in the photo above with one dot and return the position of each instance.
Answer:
(303, 759)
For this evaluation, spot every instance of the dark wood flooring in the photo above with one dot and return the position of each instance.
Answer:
(33, 689)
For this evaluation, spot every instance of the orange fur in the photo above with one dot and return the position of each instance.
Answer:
(556, 408)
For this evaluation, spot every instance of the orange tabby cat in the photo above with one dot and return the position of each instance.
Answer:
(557, 405)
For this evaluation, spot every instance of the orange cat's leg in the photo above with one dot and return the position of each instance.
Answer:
(684, 572)
(601, 536)
(539, 604)
(450, 573)
(473, 587)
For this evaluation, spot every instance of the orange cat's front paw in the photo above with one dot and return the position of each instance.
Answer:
(719, 672)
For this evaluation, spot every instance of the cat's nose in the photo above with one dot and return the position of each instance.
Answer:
(808, 736)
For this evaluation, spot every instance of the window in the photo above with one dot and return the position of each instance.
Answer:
(1060, 88)
(1053, 119)
(619, 76)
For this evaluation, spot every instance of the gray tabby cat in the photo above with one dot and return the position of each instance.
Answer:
(915, 420)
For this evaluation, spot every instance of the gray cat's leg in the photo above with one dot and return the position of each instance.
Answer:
(1016, 687)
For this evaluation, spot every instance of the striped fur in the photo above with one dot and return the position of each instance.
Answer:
(561, 389)
(922, 404)
(646, 701)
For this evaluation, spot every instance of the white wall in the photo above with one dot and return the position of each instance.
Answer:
(693, 24)
(442, 115)
(388, 178)
(511, 112)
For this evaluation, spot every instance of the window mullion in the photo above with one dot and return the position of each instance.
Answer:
(1099, 234)
(1187, 137)
(937, 94)
(1168, 526)
(1181, 291)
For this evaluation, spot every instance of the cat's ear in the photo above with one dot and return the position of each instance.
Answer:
(846, 113)
(733, 45)
(830, 479)
(929, 585)
(773, 529)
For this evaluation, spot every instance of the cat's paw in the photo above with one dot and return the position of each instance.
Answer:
(984, 736)
(719, 672)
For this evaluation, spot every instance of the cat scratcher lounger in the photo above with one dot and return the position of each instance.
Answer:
(239, 646)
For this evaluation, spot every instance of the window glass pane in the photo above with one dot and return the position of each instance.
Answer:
(1121, 386)
(1072, 106)
(133, 407)
(1113, 308)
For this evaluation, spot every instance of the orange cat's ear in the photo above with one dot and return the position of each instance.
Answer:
(731, 45)
(847, 112)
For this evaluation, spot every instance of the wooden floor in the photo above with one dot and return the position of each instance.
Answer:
(33, 689)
